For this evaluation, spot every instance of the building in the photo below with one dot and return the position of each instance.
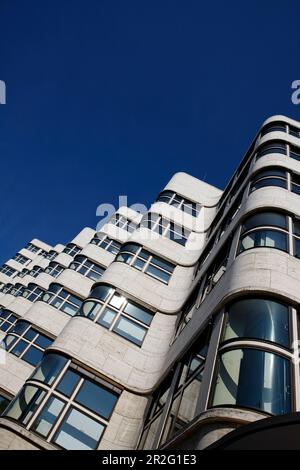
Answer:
(170, 329)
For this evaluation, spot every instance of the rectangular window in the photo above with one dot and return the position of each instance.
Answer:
(166, 228)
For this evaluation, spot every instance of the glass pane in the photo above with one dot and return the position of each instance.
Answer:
(68, 382)
(163, 264)
(140, 313)
(45, 421)
(3, 403)
(107, 317)
(33, 356)
(265, 219)
(158, 274)
(154, 427)
(139, 264)
(130, 330)
(297, 247)
(79, 432)
(69, 309)
(50, 367)
(269, 182)
(258, 318)
(20, 327)
(101, 292)
(30, 334)
(188, 403)
(96, 398)
(19, 348)
(25, 404)
(255, 379)
(124, 258)
(43, 341)
(90, 309)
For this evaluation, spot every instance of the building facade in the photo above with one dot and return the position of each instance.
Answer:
(169, 329)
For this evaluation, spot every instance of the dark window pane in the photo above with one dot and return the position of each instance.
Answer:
(158, 274)
(19, 348)
(50, 367)
(43, 341)
(269, 182)
(101, 292)
(97, 398)
(3, 403)
(68, 382)
(33, 356)
(139, 313)
(265, 219)
(260, 319)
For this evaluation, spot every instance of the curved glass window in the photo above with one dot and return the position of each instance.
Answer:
(273, 177)
(278, 126)
(295, 152)
(35, 271)
(71, 249)
(23, 273)
(117, 314)
(62, 299)
(16, 290)
(264, 238)
(87, 268)
(71, 410)
(7, 319)
(107, 243)
(122, 222)
(134, 255)
(54, 269)
(253, 378)
(26, 342)
(276, 146)
(33, 292)
(182, 203)
(51, 255)
(261, 319)
(254, 237)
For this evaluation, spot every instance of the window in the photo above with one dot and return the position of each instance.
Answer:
(166, 228)
(295, 183)
(4, 402)
(5, 288)
(294, 131)
(295, 152)
(274, 127)
(275, 146)
(114, 312)
(35, 271)
(51, 255)
(21, 259)
(272, 177)
(106, 243)
(134, 255)
(183, 401)
(266, 236)
(73, 413)
(16, 290)
(54, 269)
(173, 199)
(71, 249)
(258, 318)
(32, 248)
(216, 269)
(8, 271)
(23, 273)
(33, 292)
(7, 319)
(255, 379)
(61, 299)
(122, 222)
(187, 312)
(27, 343)
(87, 268)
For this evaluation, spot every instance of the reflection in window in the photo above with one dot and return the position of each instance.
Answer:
(267, 236)
(253, 378)
(7, 319)
(87, 268)
(117, 314)
(33, 292)
(73, 413)
(26, 342)
(62, 299)
(272, 177)
(165, 228)
(173, 199)
(276, 146)
(262, 319)
(134, 255)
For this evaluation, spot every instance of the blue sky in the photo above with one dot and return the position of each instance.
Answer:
(109, 97)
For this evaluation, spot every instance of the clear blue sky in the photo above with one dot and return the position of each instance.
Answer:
(109, 97)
